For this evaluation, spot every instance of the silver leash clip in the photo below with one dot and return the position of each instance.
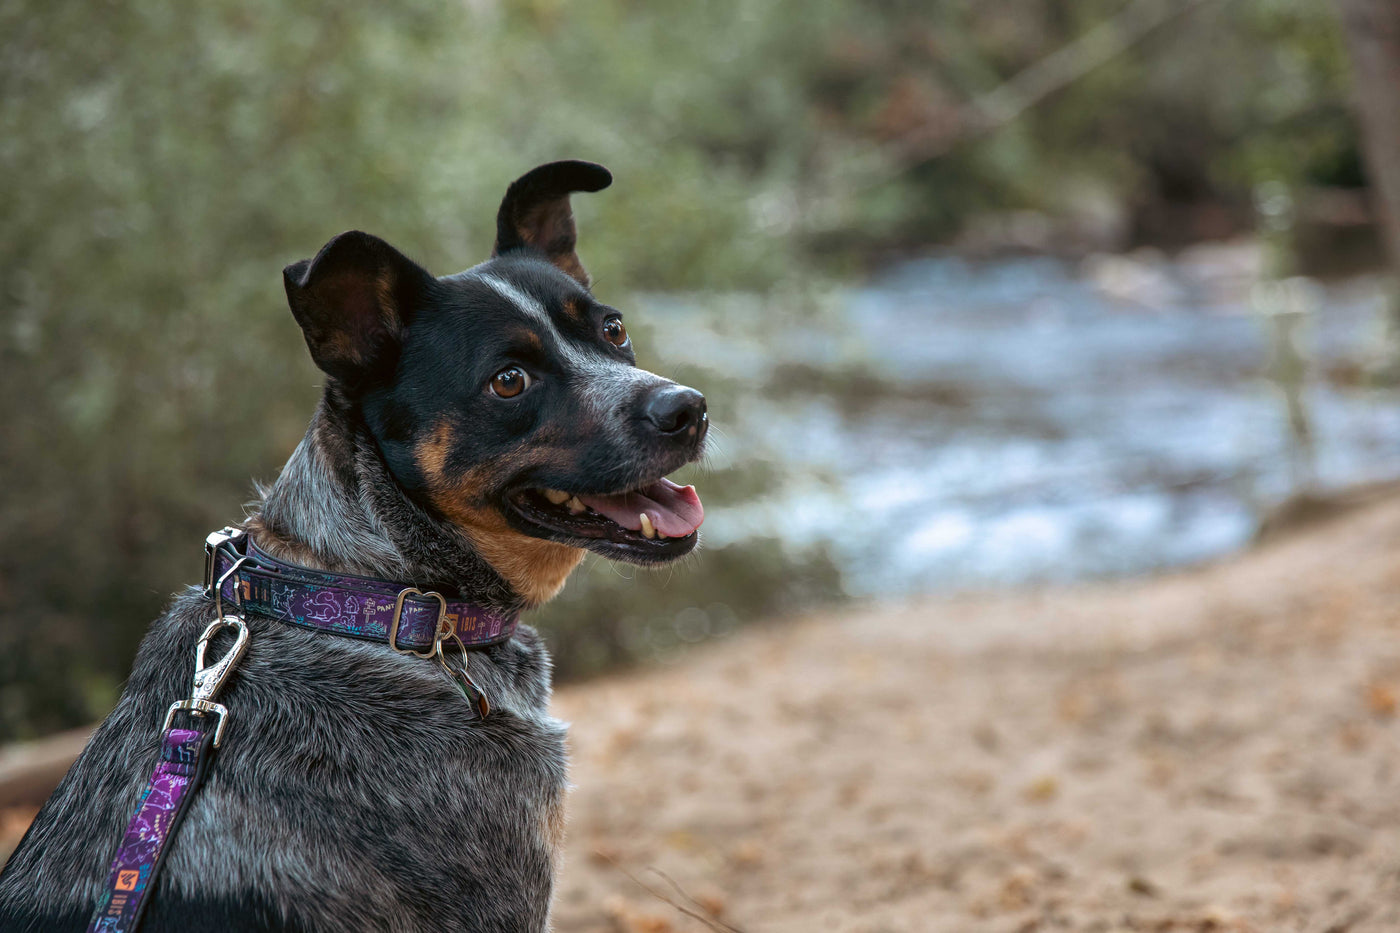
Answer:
(209, 679)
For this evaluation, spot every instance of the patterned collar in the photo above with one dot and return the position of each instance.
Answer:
(408, 619)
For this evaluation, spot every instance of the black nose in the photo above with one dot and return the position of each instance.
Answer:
(677, 410)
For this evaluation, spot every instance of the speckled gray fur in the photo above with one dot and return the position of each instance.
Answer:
(351, 791)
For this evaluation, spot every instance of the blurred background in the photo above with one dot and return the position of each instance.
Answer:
(1022, 323)
(982, 293)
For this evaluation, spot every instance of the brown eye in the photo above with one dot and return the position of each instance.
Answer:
(613, 331)
(508, 383)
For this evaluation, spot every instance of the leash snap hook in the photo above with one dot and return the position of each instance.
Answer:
(209, 679)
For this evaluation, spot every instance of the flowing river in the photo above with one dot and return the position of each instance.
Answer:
(952, 424)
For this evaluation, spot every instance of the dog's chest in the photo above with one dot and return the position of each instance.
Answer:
(352, 792)
(377, 767)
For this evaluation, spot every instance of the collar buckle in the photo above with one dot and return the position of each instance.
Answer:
(441, 630)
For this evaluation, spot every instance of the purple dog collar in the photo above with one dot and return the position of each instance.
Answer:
(407, 619)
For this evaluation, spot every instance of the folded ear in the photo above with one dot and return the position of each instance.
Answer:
(352, 302)
(535, 212)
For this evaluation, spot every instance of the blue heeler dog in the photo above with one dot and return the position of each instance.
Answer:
(478, 432)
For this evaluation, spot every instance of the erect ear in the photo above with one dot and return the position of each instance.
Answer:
(352, 302)
(535, 212)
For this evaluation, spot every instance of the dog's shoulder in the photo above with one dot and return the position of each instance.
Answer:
(336, 752)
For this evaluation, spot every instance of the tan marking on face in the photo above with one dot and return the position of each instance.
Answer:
(573, 309)
(536, 569)
(530, 339)
(431, 453)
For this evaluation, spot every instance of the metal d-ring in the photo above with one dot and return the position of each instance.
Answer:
(469, 686)
(219, 589)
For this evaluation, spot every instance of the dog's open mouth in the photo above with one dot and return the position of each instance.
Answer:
(654, 521)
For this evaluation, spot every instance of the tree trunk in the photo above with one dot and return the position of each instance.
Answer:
(1372, 31)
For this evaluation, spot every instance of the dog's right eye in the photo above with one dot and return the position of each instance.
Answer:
(614, 332)
(510, 382)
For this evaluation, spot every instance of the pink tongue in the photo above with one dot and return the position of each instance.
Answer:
(675, 510)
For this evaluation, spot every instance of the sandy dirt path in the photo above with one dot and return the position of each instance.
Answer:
(1216, 750)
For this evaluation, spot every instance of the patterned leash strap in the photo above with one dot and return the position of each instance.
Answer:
(185, 755)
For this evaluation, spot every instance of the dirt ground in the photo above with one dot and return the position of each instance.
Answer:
(1215, 750)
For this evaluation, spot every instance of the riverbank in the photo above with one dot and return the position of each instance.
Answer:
(1214, 750)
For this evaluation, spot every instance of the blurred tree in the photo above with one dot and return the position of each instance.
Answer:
(158, 167)
(160, 163)
(1372, 29)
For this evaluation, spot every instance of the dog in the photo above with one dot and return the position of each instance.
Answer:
(477, 434)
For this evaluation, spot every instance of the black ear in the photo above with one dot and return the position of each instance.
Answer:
(535, 212)
(352, 302)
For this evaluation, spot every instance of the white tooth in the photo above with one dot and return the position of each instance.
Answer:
(576, 506)
(647, 530)
(555, 496)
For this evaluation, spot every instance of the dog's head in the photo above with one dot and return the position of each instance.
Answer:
(506, 399)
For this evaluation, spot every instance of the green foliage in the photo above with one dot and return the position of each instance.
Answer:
(160, 163)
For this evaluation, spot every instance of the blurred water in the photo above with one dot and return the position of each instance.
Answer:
(951, 424)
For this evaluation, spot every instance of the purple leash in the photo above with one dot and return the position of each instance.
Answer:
(185, 755)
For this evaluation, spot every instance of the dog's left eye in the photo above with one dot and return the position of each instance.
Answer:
(510, 382)
(613, 331)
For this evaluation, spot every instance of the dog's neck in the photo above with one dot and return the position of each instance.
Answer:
(336, 507)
